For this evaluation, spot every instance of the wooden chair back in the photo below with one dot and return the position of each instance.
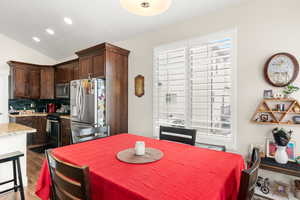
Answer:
(182, 135)
(69, 182)
(249, 177)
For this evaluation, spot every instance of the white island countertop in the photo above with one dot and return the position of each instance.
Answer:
(13, 129)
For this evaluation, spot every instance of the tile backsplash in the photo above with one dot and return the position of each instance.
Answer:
(39, 105)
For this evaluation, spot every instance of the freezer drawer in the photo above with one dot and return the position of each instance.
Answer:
(82, 132)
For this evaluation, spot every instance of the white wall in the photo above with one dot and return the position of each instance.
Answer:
(13, 50)
(264, 28)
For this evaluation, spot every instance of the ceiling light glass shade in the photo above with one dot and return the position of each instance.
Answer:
(36, 39)
(68, 20)
(146, 7)
(50, 31)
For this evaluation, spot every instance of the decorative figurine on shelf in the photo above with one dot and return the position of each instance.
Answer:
(278, 96)
(263, 184)
(289, 90)
(282, 138)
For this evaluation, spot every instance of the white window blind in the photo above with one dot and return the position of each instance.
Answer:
(170, 93)
(194, 87)
(210, 66)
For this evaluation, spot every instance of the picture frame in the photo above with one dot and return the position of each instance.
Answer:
(268, 94)
(139, 86)
(264, 117)
(259, 197)
(281, 189)
(271, 148)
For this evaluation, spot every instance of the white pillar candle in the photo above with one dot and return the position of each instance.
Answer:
(139, 148)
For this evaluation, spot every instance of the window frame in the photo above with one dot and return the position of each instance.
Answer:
(229, 142)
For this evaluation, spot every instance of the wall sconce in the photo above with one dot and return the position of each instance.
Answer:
(139, 86)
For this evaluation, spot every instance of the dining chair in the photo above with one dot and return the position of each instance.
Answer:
(182, 135)
(69, 182)
(212, 146)
(249, 177)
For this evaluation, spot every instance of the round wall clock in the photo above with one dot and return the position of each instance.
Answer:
(281, 69)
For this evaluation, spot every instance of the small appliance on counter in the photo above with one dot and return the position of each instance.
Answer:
(51, 108)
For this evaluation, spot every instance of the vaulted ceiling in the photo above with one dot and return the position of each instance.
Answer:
(94, 21)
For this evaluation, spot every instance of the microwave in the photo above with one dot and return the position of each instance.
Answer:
(62, 90)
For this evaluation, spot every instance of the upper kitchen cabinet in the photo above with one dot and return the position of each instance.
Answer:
(66, 72)
(47, 83)
(92, 62)
(109, 62)
(34, 83)
(31, 81)
(25, 80)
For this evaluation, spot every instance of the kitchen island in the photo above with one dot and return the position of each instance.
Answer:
(13, 138)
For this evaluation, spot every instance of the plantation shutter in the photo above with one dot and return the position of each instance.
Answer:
(169, 87)
(194, 87)
(211, 87)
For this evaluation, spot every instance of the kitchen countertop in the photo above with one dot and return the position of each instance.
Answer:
(36, 114)
(65, 117)
(13, 128)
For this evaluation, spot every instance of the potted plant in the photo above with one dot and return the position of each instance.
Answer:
(289, 90)
(282, 138)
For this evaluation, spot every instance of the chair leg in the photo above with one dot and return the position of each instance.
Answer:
(15, 176)
(20, 180)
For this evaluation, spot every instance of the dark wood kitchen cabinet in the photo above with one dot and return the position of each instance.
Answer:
(21, 79)
(65, 132)
(66, 71)
(34, 83)
(25, 80)
(109, 62)
(40, 137)
(47, 83)
(76, 70)
(92, 62)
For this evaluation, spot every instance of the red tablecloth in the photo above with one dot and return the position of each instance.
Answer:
(184, 173)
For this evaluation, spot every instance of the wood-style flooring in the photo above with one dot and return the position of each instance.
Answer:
(34, 164)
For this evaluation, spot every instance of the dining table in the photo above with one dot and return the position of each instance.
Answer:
(184, 172)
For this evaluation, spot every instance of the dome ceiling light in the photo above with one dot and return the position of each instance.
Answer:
(146, 7)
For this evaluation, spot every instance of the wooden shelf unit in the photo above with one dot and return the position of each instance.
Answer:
(291, 168)
(277, 116)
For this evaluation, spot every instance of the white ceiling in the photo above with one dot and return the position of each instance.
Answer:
(94, 21)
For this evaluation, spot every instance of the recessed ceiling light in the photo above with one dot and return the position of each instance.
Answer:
(36, 39)
(146, 7)
(68, 20)
(50, 31)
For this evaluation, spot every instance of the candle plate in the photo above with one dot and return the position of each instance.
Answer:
(151, 155)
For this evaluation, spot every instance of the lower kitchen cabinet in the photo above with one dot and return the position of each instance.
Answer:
(40, 137)
(65, 130)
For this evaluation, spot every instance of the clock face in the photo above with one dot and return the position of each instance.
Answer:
(281, 69)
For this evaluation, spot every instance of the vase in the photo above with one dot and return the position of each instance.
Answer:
(281, 155)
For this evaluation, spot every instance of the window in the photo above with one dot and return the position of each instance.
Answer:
(194, 87)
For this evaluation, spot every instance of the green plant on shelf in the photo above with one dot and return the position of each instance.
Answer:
(290, 89)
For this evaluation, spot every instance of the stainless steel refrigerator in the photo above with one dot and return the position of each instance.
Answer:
(87, 102)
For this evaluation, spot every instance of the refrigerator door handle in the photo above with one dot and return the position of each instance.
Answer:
(81, 101)
(78, 100)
